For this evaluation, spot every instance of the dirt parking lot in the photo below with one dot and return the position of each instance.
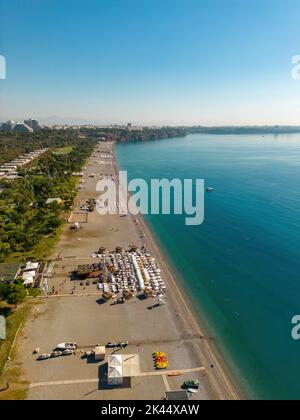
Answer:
(83, 320)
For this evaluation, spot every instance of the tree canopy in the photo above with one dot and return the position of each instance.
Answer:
(25, 216)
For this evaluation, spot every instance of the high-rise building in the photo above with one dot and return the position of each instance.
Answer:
(21, 127)
(34, 124)
(7, 126)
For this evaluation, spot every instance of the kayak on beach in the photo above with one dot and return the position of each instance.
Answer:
(175, 374)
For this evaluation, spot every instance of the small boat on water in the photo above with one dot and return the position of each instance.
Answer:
(67, 346)
(210, 189)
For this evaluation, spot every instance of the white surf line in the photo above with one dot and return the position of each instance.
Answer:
(163, 373)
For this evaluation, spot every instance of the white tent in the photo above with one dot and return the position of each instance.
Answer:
(28, 275)
(28, 282)
(31, 266)
(28, 278)
(138, 273)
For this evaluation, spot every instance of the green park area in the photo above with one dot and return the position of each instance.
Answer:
(63, 150)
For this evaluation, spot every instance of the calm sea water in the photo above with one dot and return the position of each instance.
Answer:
(241, 268)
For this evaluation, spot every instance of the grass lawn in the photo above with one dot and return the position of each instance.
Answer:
(63, 150)
(41, 252)
(15, 317)
(13, 321)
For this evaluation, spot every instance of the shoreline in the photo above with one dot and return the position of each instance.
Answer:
(203, 328)
(175, 287)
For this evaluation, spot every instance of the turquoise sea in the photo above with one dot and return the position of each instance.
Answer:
(241, 268)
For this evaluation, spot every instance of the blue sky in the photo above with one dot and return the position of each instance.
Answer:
(208, 62)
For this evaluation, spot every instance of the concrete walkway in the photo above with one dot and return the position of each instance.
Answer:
(163, 373)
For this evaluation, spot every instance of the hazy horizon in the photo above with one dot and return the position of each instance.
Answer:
(56, 120)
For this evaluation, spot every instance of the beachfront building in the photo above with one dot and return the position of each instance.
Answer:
(99, 353)
(115, 371)
(9, 169)
(27, 126)
(21, 127)
(29, 274)
(177, 396)
(8, 126)
(9, 272)
(34, 124)
(122, 368)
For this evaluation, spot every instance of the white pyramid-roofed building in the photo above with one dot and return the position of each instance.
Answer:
(27, 126)
(123, 367)
(115, 376)
(115, 370)
(115, 360)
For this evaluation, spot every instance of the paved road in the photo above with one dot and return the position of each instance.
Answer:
(163, 373)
